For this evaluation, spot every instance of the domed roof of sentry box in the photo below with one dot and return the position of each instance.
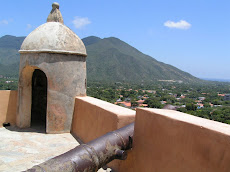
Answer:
(53, 37)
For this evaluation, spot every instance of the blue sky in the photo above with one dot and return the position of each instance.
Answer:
(193, 35)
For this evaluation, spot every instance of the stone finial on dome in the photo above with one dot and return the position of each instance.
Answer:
(55, 14)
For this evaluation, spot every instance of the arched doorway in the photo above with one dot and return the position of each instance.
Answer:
(39, 99)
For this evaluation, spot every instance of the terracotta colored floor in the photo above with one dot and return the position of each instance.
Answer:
(21, 149)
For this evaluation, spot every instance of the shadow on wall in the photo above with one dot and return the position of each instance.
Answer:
(8, 107)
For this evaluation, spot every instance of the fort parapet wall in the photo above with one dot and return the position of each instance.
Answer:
(93, 118)
(8, 106)
(167, 140)
(164, 140)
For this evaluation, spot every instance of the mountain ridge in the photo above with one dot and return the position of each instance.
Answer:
(124, 55)
(109, 60)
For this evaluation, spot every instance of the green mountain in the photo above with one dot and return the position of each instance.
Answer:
(9, 46)
(9, 56)
(112, 60)
(109, 60)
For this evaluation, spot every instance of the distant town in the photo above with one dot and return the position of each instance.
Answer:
(208, 100)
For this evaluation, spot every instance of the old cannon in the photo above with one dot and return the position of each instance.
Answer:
(93, 155)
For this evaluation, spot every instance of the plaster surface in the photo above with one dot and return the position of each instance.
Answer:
(57, 51)
(55, 14)
(66, 75)
(167, 140)
(8, 106)
(53, 37)
(94, 118)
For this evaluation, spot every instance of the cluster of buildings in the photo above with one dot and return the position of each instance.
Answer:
(226, 96)
(199, 102)
(127, 103)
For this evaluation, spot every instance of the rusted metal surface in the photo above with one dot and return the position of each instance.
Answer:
(93, 155)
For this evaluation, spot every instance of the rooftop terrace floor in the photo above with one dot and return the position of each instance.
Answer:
(21, 149)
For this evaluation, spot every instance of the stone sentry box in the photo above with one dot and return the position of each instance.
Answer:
(52, 73)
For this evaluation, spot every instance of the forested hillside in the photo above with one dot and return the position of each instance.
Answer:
(109, 60)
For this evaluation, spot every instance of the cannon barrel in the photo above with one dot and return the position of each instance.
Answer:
(93, 155)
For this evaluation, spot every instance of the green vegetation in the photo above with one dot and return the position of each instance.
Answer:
(9, 56)
(8, 83)
(9, 46)
(204, 100)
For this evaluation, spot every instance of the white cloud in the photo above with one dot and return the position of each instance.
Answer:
(80, 22)
(182, 24)
(4, 22)
(28, 26)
